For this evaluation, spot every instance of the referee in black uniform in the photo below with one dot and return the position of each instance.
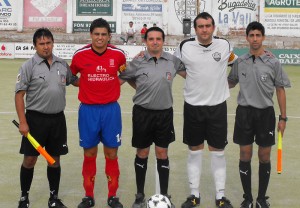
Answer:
(152, 76)
(42, 79)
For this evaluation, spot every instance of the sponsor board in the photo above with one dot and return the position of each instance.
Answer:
(7, 50)
(285, 56)
(66, 51)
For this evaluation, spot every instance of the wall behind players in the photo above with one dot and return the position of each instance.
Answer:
(281, 17)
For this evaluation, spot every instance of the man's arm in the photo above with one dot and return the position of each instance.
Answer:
(20, 108)
(182, 73)
(130, 82)
(281, 98)
(231, 84)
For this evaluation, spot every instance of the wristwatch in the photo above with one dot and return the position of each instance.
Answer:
(283, 119)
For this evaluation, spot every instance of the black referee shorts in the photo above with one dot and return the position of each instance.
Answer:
(152, 126)
(205, 123)
(49, 130)
(255, 123)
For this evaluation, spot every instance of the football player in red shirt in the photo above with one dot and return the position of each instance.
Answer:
(99, 116)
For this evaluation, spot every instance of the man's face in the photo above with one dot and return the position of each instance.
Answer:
(100, 38)
(44, 46)
(204, 30)
(154, 42)
(255, 39)
(130, 24)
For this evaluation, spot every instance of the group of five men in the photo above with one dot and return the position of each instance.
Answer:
(202, 61)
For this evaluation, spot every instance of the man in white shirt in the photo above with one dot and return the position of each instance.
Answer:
(130, 33)
(205, 111)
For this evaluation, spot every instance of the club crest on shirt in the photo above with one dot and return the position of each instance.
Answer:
(216, 56)
(111, 62)
(168, 75)
(263, 77)
(18, 78)
(100, 69)
(63, 78)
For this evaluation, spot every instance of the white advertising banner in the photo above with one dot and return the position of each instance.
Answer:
(141, 12)
(24, 50)
(281, 17)
(66, 51)
(8, 14)
(7, 50)
(234, 15)
(62, 50)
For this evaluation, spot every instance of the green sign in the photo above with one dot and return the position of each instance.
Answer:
(285, 56)
(84, 26)
(94, 7)
(282, 3)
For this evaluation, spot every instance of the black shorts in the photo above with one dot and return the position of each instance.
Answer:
(49, 130)
(205, 123)
(152, 126)
(253, 122)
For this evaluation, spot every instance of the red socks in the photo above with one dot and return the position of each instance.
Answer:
(112, 173)
(88, 173)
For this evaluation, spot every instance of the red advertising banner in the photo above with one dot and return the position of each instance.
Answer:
(44, 13)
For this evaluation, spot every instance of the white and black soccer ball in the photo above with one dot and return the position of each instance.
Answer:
(158, 201)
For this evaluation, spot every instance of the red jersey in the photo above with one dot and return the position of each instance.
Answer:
(144, 30)
(99, 83)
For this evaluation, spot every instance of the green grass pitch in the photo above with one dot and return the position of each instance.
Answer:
(283, 189)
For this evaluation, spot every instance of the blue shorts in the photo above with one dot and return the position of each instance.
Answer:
(100, 123)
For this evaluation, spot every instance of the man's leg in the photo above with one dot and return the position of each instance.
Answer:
(194, 169)
(163, 168)
(245, 170)
(112, 170)
(140, 166)
(26, 175)
(264, 170)
(218, 168)
(89, 170)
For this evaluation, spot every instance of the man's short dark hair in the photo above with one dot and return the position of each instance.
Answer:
(100, 22)
(158, 29)
(203, 15)
(42, 32)
(145, 25)
(255, 26)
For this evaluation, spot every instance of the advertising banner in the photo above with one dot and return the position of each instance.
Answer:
(234, 15)
(281, 17)
(94, 7)
(7, 50)
(8, 14)
(43, 13)
(285, 56)
(66, 51)
(141, 12)
(84, 26)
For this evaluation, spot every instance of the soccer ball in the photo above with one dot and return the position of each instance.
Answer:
(158, 201)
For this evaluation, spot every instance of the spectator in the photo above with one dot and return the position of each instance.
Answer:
(130, 33)
(143, 31)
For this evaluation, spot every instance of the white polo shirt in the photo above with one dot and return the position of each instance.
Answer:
(206, 81)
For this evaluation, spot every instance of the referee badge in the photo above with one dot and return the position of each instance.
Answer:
(216, 56)
(263, 77)
(168, 76)
(63, 78)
